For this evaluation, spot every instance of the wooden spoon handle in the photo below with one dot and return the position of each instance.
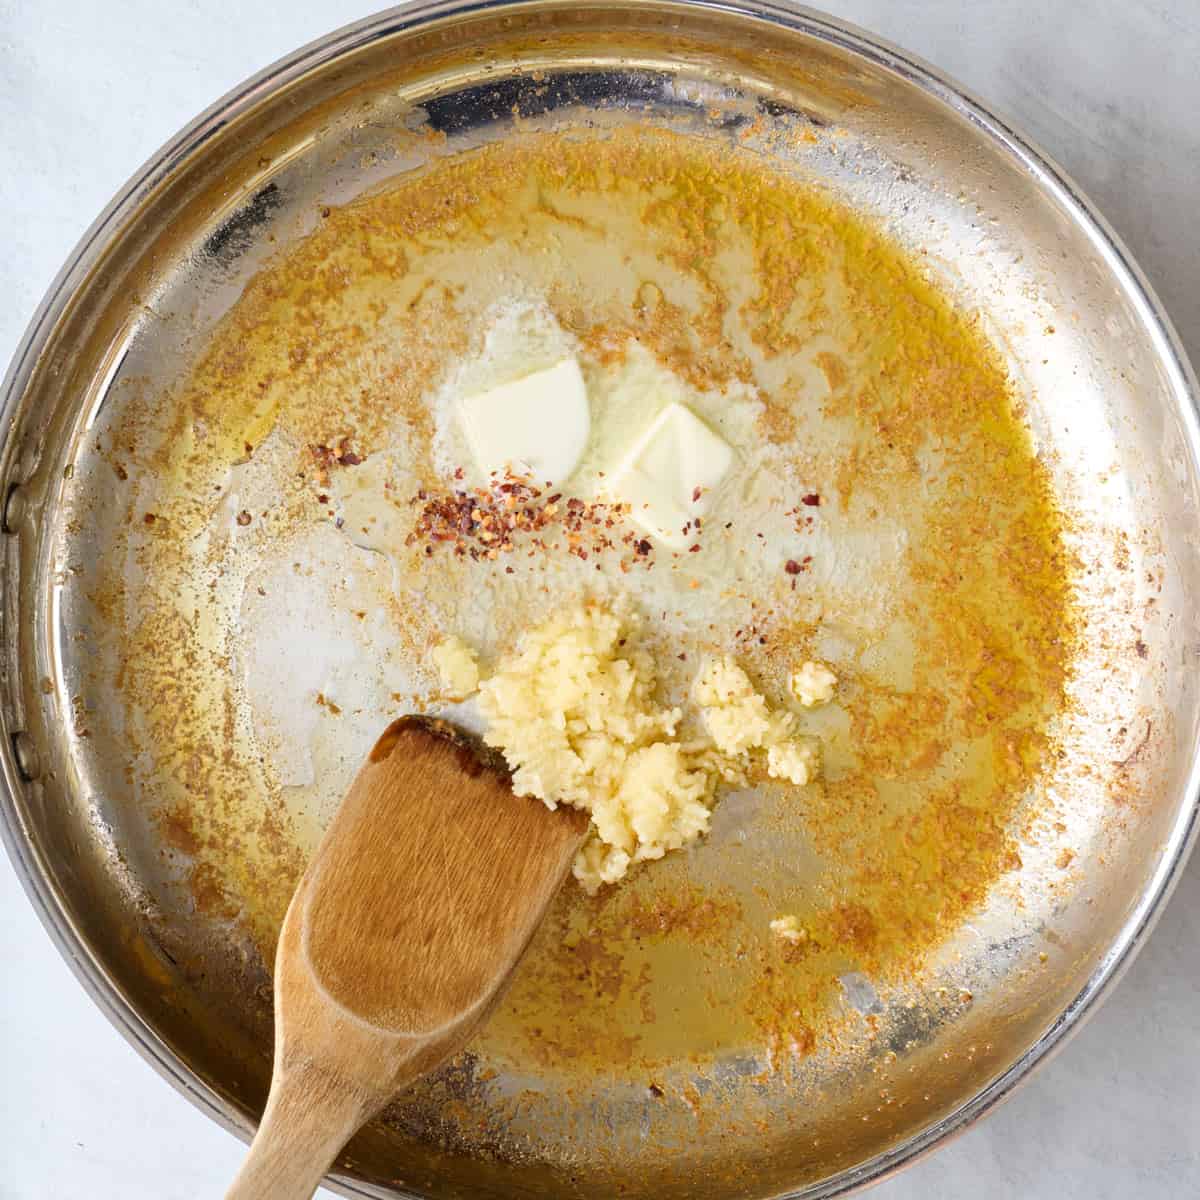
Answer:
(310, 1115)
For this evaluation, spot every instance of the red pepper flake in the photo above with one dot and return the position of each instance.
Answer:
(696, 494)
(792, 567)
(243, 518)
(150, 518)
(812, 499)
(694, 549)
(486, 522)
(341, 455)
(322, 455)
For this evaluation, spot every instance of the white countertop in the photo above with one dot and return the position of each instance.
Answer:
(1112, 90)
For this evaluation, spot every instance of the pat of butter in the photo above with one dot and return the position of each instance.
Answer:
(669, 475)
(536, 426)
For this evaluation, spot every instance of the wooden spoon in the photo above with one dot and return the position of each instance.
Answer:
(421, 898)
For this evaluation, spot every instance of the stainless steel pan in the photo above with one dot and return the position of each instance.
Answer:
(1111, 402)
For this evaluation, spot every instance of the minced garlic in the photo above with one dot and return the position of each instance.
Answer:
(575, 714)
(739, 720)
(456, 664)
(793, 760)
(736, 716)
(789, 929)
(812, 684)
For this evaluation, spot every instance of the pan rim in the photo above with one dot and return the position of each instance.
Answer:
(823, 28)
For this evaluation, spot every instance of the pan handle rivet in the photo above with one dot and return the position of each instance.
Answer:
(25, 752)
(14, 508)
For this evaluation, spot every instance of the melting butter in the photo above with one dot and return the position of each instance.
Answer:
(535, 427)
(670, 473)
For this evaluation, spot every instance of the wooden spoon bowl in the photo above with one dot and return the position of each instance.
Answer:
(420, 900)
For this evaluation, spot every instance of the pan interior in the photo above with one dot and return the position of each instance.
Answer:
(226, 606)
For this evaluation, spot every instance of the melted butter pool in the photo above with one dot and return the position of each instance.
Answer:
(935, 582)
